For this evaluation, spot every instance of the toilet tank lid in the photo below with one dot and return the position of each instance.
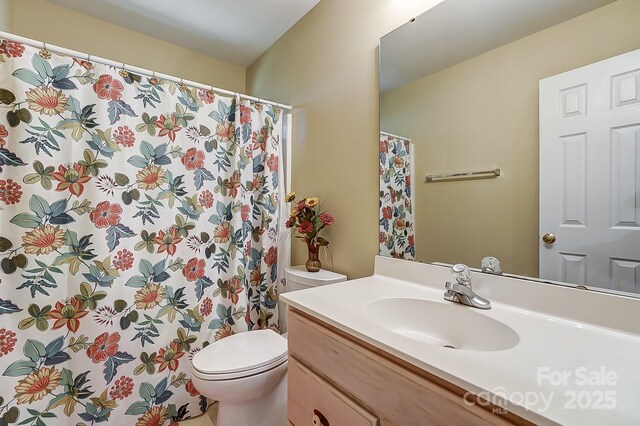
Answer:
(300, 275)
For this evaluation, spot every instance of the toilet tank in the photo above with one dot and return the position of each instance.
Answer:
(298, 278)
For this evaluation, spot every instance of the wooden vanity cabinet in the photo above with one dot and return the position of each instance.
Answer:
(338, 380)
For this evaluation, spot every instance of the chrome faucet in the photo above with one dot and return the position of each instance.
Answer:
(460, 291)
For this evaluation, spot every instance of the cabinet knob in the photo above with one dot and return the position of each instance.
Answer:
(319, 419)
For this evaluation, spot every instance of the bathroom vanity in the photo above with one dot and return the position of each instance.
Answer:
(389, 350)
(337, 379)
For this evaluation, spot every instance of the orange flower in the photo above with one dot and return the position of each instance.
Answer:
(224, 331)
(168, 241)
(103, 347)
(10, 191)
(168, 357)
(189, 387)
(194, 269)
(245, 114)
(38, 384)
(271, 257)
(222, 233)
(193, 159)
(234, 288)
(72, 178)
(106, 214)
(156, 416)
(47, 100)
(149, 296)
(43, 240)
(224, 130)
(108, 88)
(168, 126)
(84, 64)
(234, 184)
(3, 134)
(151, 177)
(68, 314)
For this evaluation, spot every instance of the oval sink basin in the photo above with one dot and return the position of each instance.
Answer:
(448, 325)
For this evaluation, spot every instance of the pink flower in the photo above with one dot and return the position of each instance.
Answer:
(7, 341)
(272, 163)
(207, 96)
(123, 260)
(122, 388)
(124, 136)
(383, 146)
(327, 219)
(305, 227)
(207, 306)
(206, 199)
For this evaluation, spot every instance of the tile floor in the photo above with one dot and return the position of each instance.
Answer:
(207, 419)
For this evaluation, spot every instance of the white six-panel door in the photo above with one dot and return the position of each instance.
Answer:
(590, 174)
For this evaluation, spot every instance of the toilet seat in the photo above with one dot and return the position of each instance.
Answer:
(240, 355)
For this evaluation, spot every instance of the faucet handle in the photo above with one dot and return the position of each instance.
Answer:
(461, 274)
(491, 265)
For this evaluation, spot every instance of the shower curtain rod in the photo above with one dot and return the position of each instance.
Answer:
(395, 136)
(132, 68)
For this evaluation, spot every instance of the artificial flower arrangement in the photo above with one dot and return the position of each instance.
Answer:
(307, 219)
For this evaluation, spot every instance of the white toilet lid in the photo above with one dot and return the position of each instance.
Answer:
(241, 355)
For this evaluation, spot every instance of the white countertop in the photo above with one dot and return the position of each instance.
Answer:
(595, 340)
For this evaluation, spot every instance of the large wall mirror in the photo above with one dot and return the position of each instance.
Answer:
(511, 128)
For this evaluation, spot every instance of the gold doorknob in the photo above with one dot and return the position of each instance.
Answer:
(549, 238)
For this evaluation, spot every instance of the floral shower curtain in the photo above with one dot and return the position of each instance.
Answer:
(396, 233)
(138, 223)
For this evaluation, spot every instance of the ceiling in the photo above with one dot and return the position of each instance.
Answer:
(236, 31)
(457, 30)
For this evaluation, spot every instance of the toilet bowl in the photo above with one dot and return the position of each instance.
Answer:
(247, 372)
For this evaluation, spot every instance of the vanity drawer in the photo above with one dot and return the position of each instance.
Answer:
(313, 401)
(398, 393)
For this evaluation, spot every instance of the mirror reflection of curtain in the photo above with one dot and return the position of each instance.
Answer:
(396, 233)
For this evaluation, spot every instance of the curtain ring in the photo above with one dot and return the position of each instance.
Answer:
(153, 80)
(183, 87)
(123, 72)
(88, 57)
(44, 52)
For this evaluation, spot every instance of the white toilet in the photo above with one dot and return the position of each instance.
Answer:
(247, 372)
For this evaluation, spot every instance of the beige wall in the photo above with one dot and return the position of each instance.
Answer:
(483, 113)
(326, 67)
(44, 21)
(5, 15)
